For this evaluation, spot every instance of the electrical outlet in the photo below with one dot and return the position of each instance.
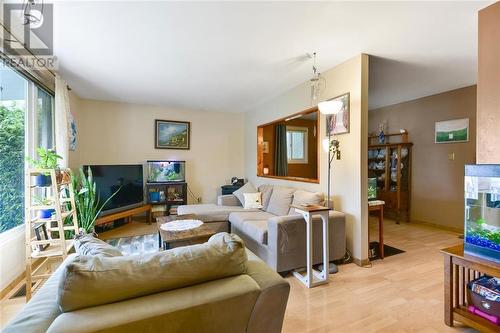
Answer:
(198, 199)
(451, 156)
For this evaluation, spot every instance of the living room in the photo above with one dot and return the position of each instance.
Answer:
(217, 77)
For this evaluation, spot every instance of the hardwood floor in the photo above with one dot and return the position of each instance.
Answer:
(402, 293)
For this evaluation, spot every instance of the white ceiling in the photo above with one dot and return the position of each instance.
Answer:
(232, 56)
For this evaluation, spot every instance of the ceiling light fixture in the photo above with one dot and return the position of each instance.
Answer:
(33, 12)
(318, 83)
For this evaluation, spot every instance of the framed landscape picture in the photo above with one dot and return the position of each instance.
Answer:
(451, 131)
(172, 134)
(339, 123)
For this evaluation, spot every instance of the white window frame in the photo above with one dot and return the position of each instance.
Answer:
(305, 132)
(30, 135)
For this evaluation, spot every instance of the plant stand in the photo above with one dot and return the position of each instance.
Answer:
(41, 241)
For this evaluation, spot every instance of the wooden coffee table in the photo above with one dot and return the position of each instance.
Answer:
(170, 239)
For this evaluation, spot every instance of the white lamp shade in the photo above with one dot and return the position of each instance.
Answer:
(330, 107)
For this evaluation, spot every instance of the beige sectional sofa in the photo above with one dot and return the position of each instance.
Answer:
(276, 233)
(218, 286)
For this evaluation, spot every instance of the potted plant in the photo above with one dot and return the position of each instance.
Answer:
(44, 213)
(47, 159)
(87, 202)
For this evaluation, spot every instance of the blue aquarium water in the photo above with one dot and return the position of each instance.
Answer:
(166, 171)
(482, 211)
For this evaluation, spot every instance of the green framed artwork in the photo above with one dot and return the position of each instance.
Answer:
(171, 134)
(452, 131)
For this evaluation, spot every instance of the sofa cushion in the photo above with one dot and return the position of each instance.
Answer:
(280, 201)
(266, 191)
(112, 279)
(253, 224)
(305, 197)
(209, 212)
(88, 245)
(247, 188)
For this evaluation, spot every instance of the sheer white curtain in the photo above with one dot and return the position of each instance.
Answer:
(61, 119)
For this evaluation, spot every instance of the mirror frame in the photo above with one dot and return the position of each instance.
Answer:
(260, 142)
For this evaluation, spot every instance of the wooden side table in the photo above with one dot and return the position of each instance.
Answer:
(459, 270)
(313, 277)
(378, 206)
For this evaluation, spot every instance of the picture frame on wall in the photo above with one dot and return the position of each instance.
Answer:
(171, 134)
(452, 131)
(265, 147)
(339, 123)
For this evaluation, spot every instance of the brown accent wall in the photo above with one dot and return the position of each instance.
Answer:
(488, 86)
(437, 182)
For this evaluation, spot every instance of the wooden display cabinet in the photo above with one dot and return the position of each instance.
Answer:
(391, 163)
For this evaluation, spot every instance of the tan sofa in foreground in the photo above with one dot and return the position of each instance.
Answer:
(218, 286)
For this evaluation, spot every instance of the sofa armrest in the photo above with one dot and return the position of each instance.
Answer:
(287, 239)
(282, 233)
(228, 200)
(269, 311)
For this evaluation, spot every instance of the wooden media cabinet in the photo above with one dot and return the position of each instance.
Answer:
(126, 214)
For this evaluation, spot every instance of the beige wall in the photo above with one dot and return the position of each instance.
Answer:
(488, 86)
(350, 173)
(113, 133)
(437, 182)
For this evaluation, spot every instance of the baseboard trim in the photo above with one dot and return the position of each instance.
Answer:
(12, 286)
(361, 262)
(17, 282)
(439, 226)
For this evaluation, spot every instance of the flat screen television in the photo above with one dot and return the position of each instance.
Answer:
(128, 178)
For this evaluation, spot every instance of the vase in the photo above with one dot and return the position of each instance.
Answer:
(45, 213)
(43, 180)
(381, 137)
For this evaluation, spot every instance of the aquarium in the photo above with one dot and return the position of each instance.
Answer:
(166, 171)
(482, 211)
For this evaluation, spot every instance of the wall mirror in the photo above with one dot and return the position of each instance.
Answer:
(288, 148)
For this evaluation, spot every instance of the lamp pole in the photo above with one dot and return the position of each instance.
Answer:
(329, 162)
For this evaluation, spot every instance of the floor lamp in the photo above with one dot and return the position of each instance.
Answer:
(331, 108)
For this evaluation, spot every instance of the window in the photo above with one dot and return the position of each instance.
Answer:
(296, 140)
(26, 121)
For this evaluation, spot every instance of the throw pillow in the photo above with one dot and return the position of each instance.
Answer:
(247, 188)
(280, 201)
(252, 200)
(301, 197)
(109, 280)
(266, 191)
(88, 245)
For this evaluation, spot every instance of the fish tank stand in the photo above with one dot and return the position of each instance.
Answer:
(166, 197)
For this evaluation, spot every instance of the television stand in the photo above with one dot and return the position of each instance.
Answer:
(126, 214)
